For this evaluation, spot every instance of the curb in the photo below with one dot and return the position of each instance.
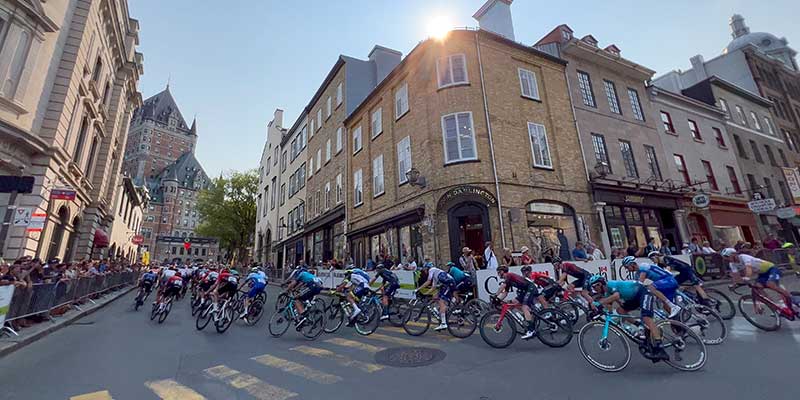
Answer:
(62, 323)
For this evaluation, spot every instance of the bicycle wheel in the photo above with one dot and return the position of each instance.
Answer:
(314, 324)
(460, 322)
(496, 333)
(154, 311)
(417, 319)
(278, 323)
(609, 352)
(477, 308)
(397, 311)
(334, 317)
(138, 301)
(721, 303)
(706, 322)
(553, 327)
(167, 308)
(226, 320)
(369, 319)
(282, 301)
(204, 316)
(685, 348)
(759, 313)
(571, 309)
(255, 312)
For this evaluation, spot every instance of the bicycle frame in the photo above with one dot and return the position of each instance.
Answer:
(609, 319)
(506, 308)
(784, 311)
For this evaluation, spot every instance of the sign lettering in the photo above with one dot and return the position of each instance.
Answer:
(793, 182)
(469, 190)
(629, 198)
(761, 206)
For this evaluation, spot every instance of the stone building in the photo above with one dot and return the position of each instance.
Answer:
(476, 142)
(289, 248)
(621, 144)
(129, 209)
(268, 189)
(70, 71)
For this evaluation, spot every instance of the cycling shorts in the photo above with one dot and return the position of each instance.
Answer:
(464, 286)
(687, 276)
(256, 289)
(308, 292)
(205, 285)
(549, 291)
(772, 275)
(227, 287)
(528, 297)
(668, 286)
(390, 289)
(146, 285)
(580, 282)
(172, 290)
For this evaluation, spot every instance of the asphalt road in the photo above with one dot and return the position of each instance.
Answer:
(119, 353)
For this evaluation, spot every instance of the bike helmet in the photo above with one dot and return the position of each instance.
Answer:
(596, 279)
(255, 269)
(556, 260)
(526, 270)
(380, 267)
(348, 272)
(628, 261)
(451, 264)
(787, 245)
(234, 272)
(654, 254)
(427, 265)
(727, 252)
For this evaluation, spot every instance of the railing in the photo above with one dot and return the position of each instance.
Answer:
(42, 298)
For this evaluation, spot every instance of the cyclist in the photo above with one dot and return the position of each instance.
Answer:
(526, 293)
(358, 281)
(686, 275)
(631, 295)
(226, 285)
(437, 278)
(147, 281)
(258, 281)
(547, 286)
(309, 286)
(663, 284)
(567, 269)
(208, 280)
(165, 276)
(389, 287)
(173, 287)
(768, 274)
(463, 280)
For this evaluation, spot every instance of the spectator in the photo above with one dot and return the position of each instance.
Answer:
(412, 264)
(651, 246)
(371, 263)
(508, 258)
(467, 261)
(594, 252)
(707, 249)
(771, 243)
(686, 249)
(694, 246)
(633, 249)
(579, 253)
(35, 271)
(616, 253)
(71, 271)
(526, 257)
(91, 269)
(489, 257)
(103, 267)
(665, 249)
(7, 277)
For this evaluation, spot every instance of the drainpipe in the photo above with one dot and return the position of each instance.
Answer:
(491, 142)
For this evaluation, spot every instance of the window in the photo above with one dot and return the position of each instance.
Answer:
(695, 130)
(627, 159)
(21, 53)
(319, 159)
(403, 159)
(712, 180)
(600, 151)
(585, 85)
(718, 137)
(318, 203)
(652, 162)
(358, 196)
(357, 140)
(327, 151)
(283, 194)
(401, 101)
(459, 139)
(770, 127)
(756, 122)
(338, 188)
(770, 190)
(319, 119)
(789, 141)
(328, 107)
(98, 68)
(739, 147)
(667, 121)
(611, 95)
(680, 164)
(756, 153)
(311, 127)
(452, 70)
(770, 156)
(339, 94)
(78, 153)
(283, 161)
(784, 161)
(311, 166)
(528, 85)
(539, 146)
(338, 140)
(724, 106)
(737, 189)
(376, 122)
(740, 113)
(377, 176)
(327, 196)
(636, 105)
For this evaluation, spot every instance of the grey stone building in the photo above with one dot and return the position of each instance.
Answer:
(269, 180)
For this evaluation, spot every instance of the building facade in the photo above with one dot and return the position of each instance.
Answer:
(70, 71)
(289, 248)
(268, 190)
(129, 207)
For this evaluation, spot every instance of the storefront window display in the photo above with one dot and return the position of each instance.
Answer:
(551, 229)
(627, 224)
(318, 247)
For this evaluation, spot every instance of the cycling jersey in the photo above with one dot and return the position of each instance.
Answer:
(175, 280)
(654, 272)
(684, 270)
(388, 276)
(457, 274)
(759, 266)
(541, 279)
(574, 270)
(149, 277)
(306, 278)
(517, 281)
(628, 290)
(211, 276)
(166, 274)
(435, 276)
(227, 277)
(258, 277)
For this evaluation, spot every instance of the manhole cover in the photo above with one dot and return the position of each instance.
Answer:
(409, 356)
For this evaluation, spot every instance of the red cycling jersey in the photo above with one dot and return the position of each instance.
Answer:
(540, 279)
(223, 276)
(573, 270)
(516, 281)
(173, 279)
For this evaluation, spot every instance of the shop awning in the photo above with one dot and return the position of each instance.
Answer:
(100, 238)
(733, 218)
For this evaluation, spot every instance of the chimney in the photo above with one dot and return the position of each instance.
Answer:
(495, 16)
(277, 118)
(699, 67)
(738, 28)
(384, 59)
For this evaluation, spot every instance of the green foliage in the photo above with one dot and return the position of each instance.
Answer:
(228, 211)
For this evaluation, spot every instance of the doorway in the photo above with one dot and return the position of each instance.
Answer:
(468, 226)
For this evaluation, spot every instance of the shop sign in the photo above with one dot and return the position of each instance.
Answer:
(762, 205)
(546, 208)
(793, 182)
(630, 198)
(62, 194)
(785, 213)
(467, 191)
(137, 239)
(701, 200)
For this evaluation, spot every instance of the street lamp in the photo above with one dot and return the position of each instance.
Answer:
(414, 178)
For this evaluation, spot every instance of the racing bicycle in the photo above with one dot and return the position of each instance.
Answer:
(310, 325)
(765, 308)
(500, 327)
(340, 310)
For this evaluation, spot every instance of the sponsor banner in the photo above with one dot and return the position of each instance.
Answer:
(6, 293)
(62, 194)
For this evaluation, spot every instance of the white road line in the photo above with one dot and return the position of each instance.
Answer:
(101, 395)
(250, 384)
(400, 341)
(168, 389)
(338, 358)
(297, 369)
(355, 345)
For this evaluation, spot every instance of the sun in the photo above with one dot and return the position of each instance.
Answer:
(438, 27)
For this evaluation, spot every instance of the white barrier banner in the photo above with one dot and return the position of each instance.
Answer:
(332, 278)
(6, 293)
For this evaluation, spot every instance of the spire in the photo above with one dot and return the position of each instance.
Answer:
(738, 27)
(193, 129)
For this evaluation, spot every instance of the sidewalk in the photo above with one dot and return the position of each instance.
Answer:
(10, 343)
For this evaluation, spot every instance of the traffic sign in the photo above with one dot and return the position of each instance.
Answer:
(137, 240)
(22, 216)
(761, 206)
(62, 194)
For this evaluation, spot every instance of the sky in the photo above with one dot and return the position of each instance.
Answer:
(231, 66)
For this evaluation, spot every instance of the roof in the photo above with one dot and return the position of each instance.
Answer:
(159, 107)
(186, 171)
(738, 90)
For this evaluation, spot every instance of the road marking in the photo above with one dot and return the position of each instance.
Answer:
(101, 395)
(168, 389)
(250, 384)
(400, 341)
(297, 369)
(443, 335)
(339, 359)
(355, 345)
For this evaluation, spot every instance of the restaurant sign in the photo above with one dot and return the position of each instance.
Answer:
(468, 191)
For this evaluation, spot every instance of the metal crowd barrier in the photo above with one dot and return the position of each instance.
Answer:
(714, 266)
(42, 298)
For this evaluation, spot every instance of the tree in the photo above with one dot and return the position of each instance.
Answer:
(228, 211)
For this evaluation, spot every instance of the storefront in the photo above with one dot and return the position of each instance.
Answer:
(731, 222)
(322, 235)
(400, 237)
(552, 229)
(467, 209)
(637, 216)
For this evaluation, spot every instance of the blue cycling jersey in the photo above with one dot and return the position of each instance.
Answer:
(457, 274)
(654, 272)
(258, 277)
(676, 264)
(149, 277)
(361, 273)
(628, 290)
(306, 277)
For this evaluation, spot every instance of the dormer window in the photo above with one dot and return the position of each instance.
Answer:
(566, 35)
(590, 40)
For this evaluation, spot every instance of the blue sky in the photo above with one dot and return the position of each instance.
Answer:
(233, 65)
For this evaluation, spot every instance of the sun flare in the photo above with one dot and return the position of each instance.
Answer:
(438, 27)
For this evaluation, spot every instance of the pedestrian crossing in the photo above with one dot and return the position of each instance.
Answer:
(354, 353)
